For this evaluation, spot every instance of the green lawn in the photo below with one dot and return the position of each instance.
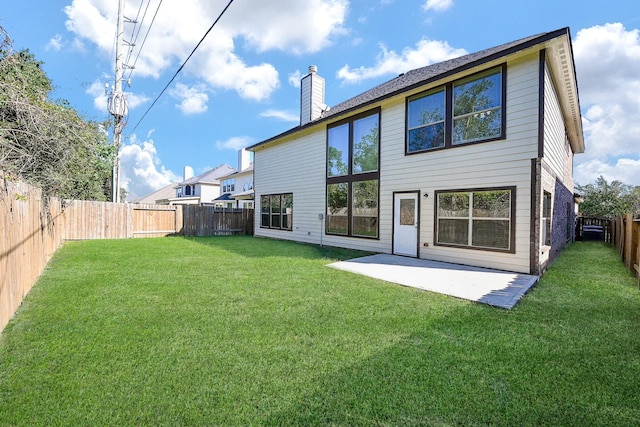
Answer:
(240, 331)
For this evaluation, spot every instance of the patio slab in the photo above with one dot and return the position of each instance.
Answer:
(493, 287)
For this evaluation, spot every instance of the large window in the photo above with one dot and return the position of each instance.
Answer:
(276, 211)
(352, 176)
(482, 219)
(465, 111)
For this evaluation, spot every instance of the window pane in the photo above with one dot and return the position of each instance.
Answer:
(365, 144)
(337, 208)
(275, 221)
(365, 208)
(491, 234)
(492, 204)
(275, 204)
(338, 153)
(426, 110)
(453, 231)
(407, 211)
(264, 211)
(453, 205)
(287, 210)
(477, 108)
(426, 137)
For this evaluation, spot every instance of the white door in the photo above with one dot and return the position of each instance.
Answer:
(405, 224)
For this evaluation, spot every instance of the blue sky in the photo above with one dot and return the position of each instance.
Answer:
(242, 84)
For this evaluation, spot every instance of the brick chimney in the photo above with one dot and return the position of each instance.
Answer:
(312, 104)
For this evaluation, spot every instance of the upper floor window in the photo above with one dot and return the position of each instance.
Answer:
(477, 107)
(465, 111)
(229, 185)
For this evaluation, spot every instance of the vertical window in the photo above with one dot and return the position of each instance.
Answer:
(480, 219)
(426, 126)
(276, 211)
(477, 112)
(545, 223)
(353, 174)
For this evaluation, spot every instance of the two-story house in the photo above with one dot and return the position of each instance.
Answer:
(466, 161)
(201, 189)
(237, 187)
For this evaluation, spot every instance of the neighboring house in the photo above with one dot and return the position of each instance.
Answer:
(237, 187)
(466, 161)
(201, 189)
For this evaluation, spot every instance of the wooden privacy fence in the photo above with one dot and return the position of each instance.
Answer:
(626, 239)
(590, 228)
(209, 221)
(32, 228)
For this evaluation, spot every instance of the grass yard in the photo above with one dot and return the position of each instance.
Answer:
(238, 331)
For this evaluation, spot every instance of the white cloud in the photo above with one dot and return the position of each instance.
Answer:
(294, 78)
(193, 100)
(389, 62)
(235, 143)
(306, 27)
(607, 61)
(623, 170)
(438, 5)
(286, 116)
(55, 43)
(140, 170)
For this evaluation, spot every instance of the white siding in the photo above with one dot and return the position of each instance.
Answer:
(554, 130)
(298, 166)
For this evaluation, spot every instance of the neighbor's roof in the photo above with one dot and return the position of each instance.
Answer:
(421, 76)
(161, 194)
(209, 177)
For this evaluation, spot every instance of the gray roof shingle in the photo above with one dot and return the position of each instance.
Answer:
(420, 76)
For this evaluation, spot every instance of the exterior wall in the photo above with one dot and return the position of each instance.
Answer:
(207, 192)
(557, 175)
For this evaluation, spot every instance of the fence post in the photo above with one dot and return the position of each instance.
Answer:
(628, 233)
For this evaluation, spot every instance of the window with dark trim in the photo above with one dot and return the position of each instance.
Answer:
(476, 219)
(353, 173)
(276, 211)
(465, 111)
(546, 219)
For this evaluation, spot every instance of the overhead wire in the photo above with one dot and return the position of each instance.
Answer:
(183, 64)
(136, 25)
(133, 66)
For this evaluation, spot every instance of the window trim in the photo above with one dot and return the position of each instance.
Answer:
(512, 219)
(352, 177)
(280, 214)
(449, 119)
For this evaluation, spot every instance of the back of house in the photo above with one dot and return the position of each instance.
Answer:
(466, 161)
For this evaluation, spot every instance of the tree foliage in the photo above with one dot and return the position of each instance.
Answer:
(47, 142)
(604, 199)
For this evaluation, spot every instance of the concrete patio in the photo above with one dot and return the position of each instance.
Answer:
(493, 287)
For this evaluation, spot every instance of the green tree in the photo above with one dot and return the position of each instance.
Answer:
(47, 142)
(604, 199)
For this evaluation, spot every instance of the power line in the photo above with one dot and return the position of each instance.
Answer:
(183, 64)
(135, 34)
(145, 37)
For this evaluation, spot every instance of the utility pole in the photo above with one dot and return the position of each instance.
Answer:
(117, 105)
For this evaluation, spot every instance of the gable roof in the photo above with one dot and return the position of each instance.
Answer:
(164, 193)
(421, 76)
(209, 177)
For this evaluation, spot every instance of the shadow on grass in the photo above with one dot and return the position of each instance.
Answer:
(260, 247)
